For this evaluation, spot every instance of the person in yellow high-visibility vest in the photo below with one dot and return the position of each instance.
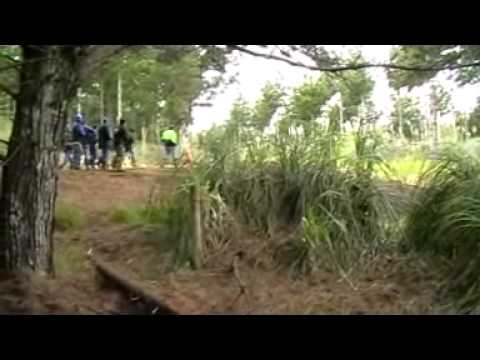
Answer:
(170, 141)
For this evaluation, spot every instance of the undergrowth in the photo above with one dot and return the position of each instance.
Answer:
(445, 220)
(319, 209)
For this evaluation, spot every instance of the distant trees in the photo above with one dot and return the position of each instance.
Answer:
(407, 119)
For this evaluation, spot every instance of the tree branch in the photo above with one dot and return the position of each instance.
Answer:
(341, 68)
(95, 55)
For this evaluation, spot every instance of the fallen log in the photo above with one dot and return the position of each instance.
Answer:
(154, 304)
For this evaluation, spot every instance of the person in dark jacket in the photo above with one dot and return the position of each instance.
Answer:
(130, 147)
(104, 142)
(120, 140)
(91, 137)
(78, 137)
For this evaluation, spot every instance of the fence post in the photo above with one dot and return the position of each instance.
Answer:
(197, 226)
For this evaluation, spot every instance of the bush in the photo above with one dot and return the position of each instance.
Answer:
(300, 184)
(445, 220)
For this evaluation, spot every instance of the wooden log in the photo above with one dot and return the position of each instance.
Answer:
(157, 305)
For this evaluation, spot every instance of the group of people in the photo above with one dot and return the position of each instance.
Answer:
(84, 141)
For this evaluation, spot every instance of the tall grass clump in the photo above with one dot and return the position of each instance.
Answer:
(174, 218)
(445, 219)
(334, 213)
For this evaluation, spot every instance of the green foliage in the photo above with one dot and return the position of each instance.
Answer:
(267, 106)
(176, 224)
(170, 223)
(304, 181)
(409, 168)
(356, 87)
(407, 119)
(461, 125)
(69, 218)
(159, 86)
(437, 56)
(128, 216)
(473, 122)
(445, 219)
(274, 183)
(368, 116)
(241, 116)
(307, 102)
(440, 99)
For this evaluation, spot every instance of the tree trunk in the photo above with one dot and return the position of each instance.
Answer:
(79, 101)
(400, 121)
(436, 134)
(47, 79)
(102, 102)
(144, 139)
(197, 227)
(119, 99)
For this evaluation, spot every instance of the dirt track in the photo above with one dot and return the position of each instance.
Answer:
(391, 290)
(397, 286)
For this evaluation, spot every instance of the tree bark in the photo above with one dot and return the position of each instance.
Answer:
(47, 79)
(436, 130)
(144, 139)
(79, 100)
(49, 76)
(119, 99)
(102, 103)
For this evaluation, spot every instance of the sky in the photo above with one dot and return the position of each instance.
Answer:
(254, 73)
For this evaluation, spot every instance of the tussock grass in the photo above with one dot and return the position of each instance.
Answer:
(330, 206)
(445, 220)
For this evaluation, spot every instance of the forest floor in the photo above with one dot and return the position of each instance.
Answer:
(397, 285)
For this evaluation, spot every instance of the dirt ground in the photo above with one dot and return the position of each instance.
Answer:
(398, 286)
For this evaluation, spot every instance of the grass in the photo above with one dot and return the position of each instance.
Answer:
(129, 216)
(408, 169)
(69, 217)
(328, 203)
(70, 259)
(165, 226)
(445, 220)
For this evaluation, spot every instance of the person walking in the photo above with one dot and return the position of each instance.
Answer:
(78, 137)
(130, 148)
(120, 140)
(92, 139)
(170, 141)
(104, 143)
